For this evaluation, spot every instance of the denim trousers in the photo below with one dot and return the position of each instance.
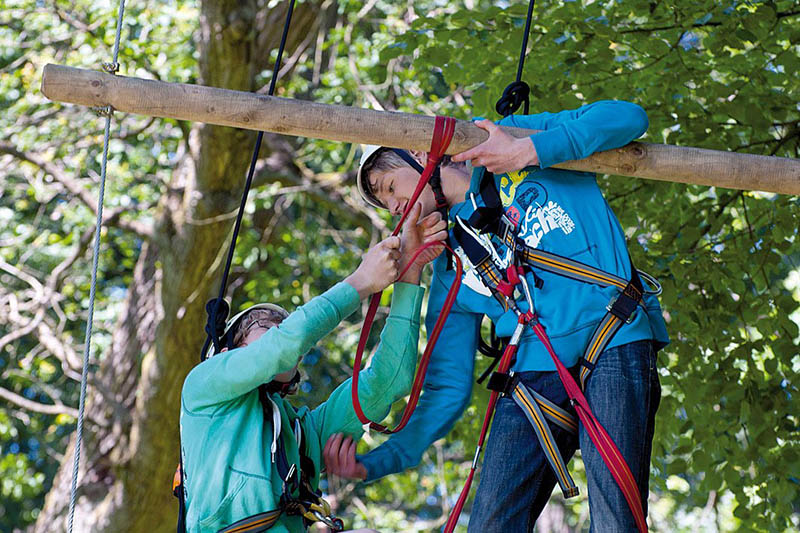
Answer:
(516, 480)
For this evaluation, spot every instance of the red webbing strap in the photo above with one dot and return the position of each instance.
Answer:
(443, 130)
(601, 439)
(608, 450)
(502, 367)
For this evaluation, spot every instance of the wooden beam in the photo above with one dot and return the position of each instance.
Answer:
(401, 130)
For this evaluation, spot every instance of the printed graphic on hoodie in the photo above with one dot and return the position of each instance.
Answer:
(540, 216)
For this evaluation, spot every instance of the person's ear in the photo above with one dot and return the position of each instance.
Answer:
(420, 156)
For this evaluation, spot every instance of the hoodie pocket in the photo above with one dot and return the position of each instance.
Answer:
(221, 516)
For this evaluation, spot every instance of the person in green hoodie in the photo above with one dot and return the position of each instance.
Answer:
(251, 459)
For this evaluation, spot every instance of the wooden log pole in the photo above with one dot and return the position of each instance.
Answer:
(400, 130)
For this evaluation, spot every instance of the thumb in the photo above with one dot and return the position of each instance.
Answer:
(487, 125)
(413, 217)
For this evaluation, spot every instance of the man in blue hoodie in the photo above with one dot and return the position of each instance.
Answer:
(564, 213)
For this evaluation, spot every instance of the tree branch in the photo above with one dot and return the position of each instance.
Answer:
(136, 227)
(30, 405)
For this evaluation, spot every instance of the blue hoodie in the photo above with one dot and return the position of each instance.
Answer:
(555, 210)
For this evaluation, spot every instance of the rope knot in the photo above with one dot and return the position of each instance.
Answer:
(514, 95)
(217, 310)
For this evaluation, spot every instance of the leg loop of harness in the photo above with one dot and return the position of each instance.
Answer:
(538, 410)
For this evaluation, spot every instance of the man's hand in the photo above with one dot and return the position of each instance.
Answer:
(378, 269)
(417, 233)
(340, 458)
(501, 152)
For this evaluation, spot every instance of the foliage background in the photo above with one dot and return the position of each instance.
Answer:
(712, 74)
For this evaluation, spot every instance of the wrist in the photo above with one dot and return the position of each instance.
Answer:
(361, 471)
(361, 287)
(412, 275)
(532, 157)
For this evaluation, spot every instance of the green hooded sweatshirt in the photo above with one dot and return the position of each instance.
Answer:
(226, 439)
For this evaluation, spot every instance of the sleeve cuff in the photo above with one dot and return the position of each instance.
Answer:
(344, 297)
(552, 147)
(373, 466)
(407, 301)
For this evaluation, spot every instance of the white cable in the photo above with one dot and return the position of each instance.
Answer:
(90, 318)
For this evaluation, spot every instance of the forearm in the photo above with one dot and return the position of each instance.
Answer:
(576, 134)
(436, 413)
(389, 374)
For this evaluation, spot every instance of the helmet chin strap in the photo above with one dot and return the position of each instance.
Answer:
(435, 180)
(283, 388)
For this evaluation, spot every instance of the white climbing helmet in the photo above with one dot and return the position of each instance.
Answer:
(231, 324)
(369, 151)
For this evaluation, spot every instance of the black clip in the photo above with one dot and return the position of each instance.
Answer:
(501, 382)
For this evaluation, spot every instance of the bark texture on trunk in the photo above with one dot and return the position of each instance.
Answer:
(130, 446)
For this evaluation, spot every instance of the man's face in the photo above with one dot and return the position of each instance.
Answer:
(395, 187)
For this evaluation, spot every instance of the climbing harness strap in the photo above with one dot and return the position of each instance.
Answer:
(444, 127)
(307, 503)
(538, 410)
(524, 399)
(503, 289)
(602, 440)
(491, 218)
(254, 524)
(435, 180)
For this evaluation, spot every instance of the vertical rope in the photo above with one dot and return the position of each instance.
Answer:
(521, 63)
(92, 290)
(212, 318)
(518, 92)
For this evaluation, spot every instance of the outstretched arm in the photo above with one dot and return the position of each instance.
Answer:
(447, 391)
(563, 136)
(231, 374)
(388, 377)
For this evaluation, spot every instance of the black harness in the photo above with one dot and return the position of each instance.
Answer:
(298, 497)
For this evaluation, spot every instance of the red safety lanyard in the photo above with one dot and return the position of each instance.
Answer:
(502, 367)
(602, 440)
(443, 130)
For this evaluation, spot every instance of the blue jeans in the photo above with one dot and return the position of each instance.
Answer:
(516, 479)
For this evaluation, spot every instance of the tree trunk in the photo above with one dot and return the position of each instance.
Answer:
(130, 445)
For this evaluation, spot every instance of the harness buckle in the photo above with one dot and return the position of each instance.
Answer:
(617, 312)
(505, 227)
(502, 382)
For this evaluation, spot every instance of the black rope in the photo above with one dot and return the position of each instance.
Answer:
(218, 308)
(518, 92)
(213, 307)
